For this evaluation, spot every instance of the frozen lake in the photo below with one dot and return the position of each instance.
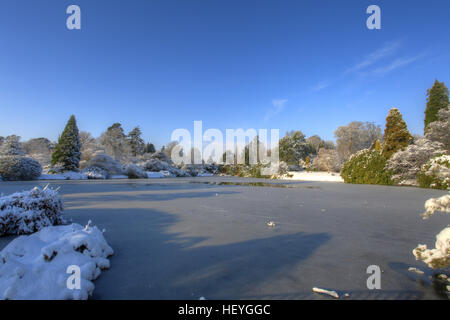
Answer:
(185, 238)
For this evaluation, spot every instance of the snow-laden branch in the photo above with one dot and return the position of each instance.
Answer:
(439, 257)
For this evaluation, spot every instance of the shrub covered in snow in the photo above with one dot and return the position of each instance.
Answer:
(439, 257)
(326, 160)
(94, 173)
(157, 165)
(366, 167)
(134, 172)
(406, 164)
(11, 146)
(107, 164)
(30, 211)
(435, 173)
(36, 266)
(19, 168)
(440, 130)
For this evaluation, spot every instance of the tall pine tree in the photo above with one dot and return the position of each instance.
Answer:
(68, 150)
(437, 99)
(396, 134)
(137, 145)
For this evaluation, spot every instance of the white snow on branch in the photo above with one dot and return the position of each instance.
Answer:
(334, 294)
(439, 257)
(437, 204)
(35, 266)
(29, 211)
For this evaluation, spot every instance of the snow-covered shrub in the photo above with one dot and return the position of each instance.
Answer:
(282, 170)
(134, 172)
(36, 266)
(19, 168)
(440, 130)
(406, 164)
(439, 257)
(435, 173)
(326, 160)
(107, 164)
(161, 156)
(436, 204)
(11, 147)
(39, 149)
(211, 168)
(156, 165)
(30, 211)
(366, 167)
(94, 173)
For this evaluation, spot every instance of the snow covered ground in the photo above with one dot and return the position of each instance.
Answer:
(40, 266)
(82, 176)
(314, 176)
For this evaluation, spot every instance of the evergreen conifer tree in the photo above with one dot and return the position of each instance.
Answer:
(437, 99)
(396, 134)
(68, 149)
(150, 148)
(136, 142)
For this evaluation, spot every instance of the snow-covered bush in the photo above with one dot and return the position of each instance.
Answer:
(107, 164)
(439, 257)
(19, 168)
(134, 172)
(157, 165)
(94, 173)
(366, 167)
(435, 173)
(161, 156)
(440, 130)
(406, 164)
(11, 147)
(36, 266)
(39, 149)
(436, 204)
(326, 160)
(30, 211)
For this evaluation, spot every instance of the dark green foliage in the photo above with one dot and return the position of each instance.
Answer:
(68, 150)
(366, 167)
(150, 148)
(293, 147)
(437, 99)
(136, 143)
(396, 134)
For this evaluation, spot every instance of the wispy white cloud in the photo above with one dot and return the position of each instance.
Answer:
(277, 106)
(320, 86)
(397, 63)
(372, 58)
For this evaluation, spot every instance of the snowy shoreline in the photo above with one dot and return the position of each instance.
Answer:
(313, 176)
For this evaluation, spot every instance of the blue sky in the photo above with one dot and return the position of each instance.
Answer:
(161, 64)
